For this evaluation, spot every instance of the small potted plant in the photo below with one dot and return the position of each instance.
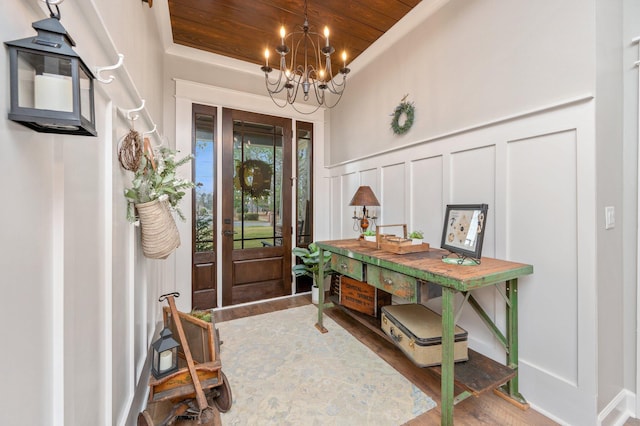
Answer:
(416, 237)
(369, 235)
(310, 266)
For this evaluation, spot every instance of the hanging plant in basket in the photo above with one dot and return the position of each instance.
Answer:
(403, 117)
(155, 192)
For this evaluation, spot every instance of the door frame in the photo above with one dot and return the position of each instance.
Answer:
(188, 93)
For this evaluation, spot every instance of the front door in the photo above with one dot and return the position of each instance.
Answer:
(256, 206)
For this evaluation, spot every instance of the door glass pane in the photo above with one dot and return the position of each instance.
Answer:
(205, 182)
(257, 155)
(304, 179)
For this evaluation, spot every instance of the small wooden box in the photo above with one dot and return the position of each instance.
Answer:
(362, 297)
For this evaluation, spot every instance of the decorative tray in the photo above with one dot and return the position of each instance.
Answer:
(393, 243)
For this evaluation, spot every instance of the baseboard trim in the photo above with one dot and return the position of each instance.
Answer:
(619, 410)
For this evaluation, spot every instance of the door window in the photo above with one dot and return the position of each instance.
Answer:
(304, 174)
(203, 277)
(257, 156)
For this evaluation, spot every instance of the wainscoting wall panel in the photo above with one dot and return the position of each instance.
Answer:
(337, 213)
(369, 177)
(542, 206)
(392, 179)
(473, 181)
(426, 198)
(536, 173)
(350, 183)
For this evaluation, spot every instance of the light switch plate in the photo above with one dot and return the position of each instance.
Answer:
(609, 217)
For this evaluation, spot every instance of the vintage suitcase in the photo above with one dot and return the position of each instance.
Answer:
(417, 331)
(362, 297)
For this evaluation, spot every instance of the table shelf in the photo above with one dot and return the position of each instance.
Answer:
(477, 375)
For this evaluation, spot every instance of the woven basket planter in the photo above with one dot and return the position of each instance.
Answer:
(160, 235)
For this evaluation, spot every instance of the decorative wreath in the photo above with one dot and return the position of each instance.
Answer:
(254, 177)
(130, 151)
(405, 109)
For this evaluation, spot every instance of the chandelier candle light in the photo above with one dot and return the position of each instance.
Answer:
(312, 76)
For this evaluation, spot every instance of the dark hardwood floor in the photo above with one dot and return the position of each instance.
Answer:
(487, 409)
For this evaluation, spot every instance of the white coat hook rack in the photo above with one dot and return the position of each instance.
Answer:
(52, 2)
(154, 130)
(128, 112)
(109, 68)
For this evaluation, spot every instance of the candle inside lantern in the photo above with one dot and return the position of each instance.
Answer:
(53, 92)
(166, 360)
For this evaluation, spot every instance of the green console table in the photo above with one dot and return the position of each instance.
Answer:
(405, 274)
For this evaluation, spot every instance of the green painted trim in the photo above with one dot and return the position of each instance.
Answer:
(461, 397)
(447, 380)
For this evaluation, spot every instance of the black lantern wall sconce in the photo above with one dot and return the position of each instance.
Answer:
(52, 89)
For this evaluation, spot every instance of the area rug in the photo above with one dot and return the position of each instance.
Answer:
(283, 371)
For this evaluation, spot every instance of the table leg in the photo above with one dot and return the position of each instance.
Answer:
(448, 330)
(320, 277)
(510, 389)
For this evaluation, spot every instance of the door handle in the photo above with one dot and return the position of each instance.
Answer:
(228, 233)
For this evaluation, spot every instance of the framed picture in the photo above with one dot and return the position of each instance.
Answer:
(463, 229)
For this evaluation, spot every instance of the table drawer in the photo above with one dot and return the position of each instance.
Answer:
(393, 282)
(346, 266)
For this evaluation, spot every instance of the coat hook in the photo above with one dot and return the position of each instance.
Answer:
(52, 2)
(128, 112)
(155, 129)
(112, 67)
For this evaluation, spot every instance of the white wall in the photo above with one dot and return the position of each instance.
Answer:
(631, 54)
(81, 302)
(609, 172)
(471, 62)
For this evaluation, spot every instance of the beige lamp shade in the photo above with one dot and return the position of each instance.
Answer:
(364, 196)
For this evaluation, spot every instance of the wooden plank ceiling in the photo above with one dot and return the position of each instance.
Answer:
(242, 29)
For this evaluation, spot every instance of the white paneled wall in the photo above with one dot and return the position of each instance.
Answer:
(544, 168)
(393, 185)
(535, 172)
(426, 197)
(350, 183)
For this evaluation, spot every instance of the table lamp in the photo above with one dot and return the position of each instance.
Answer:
(364, 197)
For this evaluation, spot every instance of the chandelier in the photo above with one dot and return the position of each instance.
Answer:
(314, 75)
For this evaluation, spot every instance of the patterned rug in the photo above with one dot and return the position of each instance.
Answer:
(282, 371)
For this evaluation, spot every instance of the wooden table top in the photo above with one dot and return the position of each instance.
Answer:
(429, 266)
